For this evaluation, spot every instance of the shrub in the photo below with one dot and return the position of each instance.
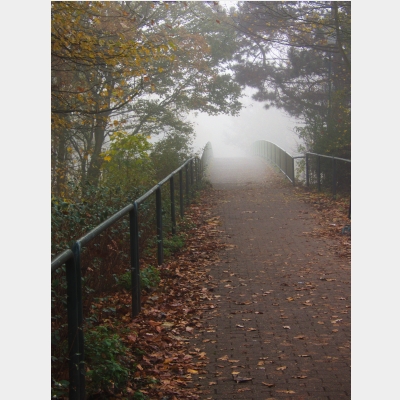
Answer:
(149, 278)
(103, 352)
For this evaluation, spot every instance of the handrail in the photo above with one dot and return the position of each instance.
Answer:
(334, 170)
(71, 257)
(285, 162)
(322, 155)
(275, 154)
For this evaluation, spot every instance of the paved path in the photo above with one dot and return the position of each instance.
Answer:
(282, 321)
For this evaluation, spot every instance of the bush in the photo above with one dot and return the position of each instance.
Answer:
(103, 352)
(173, 244)
(149, 278)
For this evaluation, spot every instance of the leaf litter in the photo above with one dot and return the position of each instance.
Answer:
(158, 339)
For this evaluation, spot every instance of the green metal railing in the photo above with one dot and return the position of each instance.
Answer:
(193, 169)
(207, 155)
(322, 170)
(328, 171)
(273, 153)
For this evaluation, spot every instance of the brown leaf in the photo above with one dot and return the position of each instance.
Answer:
(286, 391)
(132, 338)
(239, 379)
(192, 371)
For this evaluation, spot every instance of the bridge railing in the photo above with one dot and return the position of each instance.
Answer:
(328, 172)
(273, 153)
(207, 155)
(71, 258)
(322, 171)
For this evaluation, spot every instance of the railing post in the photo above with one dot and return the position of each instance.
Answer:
(160, 249)
(319, 173)
(187, 183)
(181, 192)
(349, 210)
(172, 193)
(196, 173)
(75, 325)
(135, 267)
(191, 173)
(334, 177)
(307, 172)
(293, 172)
(286, 164)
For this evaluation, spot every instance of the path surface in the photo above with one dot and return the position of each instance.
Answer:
(282, 321)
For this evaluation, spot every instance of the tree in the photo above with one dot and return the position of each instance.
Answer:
(120, 65)
(100, 58)
(297, 55)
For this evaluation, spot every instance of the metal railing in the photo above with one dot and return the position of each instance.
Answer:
(328, 174)
(317, 172)
(193, 169)
(273, 153)
(207, 155)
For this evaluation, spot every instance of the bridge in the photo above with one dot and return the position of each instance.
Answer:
(281, 328)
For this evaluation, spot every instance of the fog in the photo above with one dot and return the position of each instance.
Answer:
(231, 136)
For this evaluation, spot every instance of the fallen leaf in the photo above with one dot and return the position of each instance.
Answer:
(268, 384)
(132, 338)
(192, 371)
(300, 377)
(281, 368)
(286, 327)
(239, 379)
(286, 391)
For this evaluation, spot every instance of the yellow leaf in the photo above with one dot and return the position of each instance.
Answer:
(192, 371)
(107, 158)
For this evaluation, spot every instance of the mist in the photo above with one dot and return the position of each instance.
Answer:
(231, 136)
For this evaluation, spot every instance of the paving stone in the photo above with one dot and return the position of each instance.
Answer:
(289, 293)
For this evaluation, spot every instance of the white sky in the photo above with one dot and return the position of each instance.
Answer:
(229, 136)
